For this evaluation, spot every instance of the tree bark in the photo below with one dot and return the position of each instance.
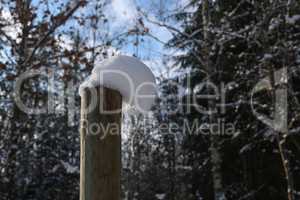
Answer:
(100, 147)
(281, 136)
(215, 156)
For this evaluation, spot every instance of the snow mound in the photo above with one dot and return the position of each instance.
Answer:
(69, 168)
(292, 19)
(132, 78)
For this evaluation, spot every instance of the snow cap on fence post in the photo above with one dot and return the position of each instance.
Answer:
(128, 75)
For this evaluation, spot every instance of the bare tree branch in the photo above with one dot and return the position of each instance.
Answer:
(57, 23)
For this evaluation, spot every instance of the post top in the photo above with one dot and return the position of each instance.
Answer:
(128, 75)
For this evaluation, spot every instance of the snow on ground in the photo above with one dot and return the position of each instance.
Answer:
(132, 78)
(293, 19)
(69, 168)
(160, 196)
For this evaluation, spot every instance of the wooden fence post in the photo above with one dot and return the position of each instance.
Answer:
(100, 153)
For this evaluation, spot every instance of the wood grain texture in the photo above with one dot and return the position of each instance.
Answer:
(100, 153)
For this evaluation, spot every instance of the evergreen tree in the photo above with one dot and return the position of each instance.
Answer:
(246, 42)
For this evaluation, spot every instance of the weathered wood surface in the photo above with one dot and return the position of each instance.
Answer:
(100, 156)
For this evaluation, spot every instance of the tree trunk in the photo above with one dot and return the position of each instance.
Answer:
(100, 146)
(215, 157)
(281, 136)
